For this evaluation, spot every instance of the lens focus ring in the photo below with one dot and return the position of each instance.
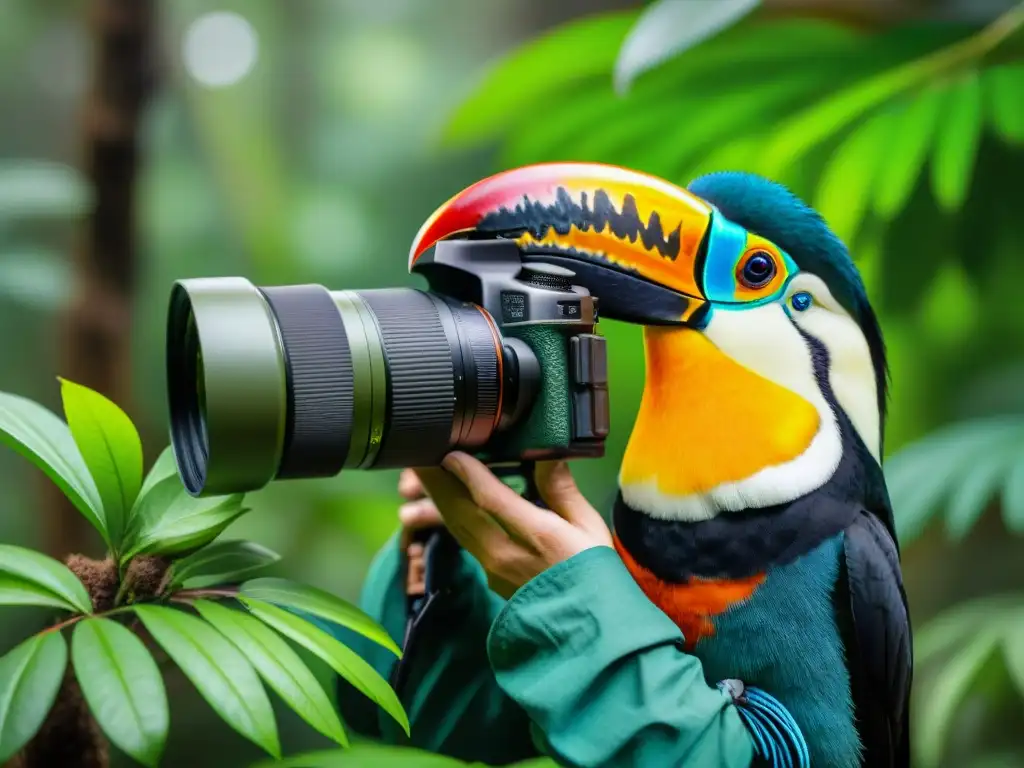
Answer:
(421, 402)
(319, 372)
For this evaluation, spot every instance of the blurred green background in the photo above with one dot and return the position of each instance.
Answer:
(308, 140)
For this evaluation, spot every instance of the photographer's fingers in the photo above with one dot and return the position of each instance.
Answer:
(518, 516)
(409, 486)
(559, 491)
(474, 528)
(416, 515)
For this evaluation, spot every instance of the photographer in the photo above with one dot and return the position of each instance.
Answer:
(545, 644)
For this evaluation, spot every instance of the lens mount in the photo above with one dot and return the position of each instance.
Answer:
(227, 386)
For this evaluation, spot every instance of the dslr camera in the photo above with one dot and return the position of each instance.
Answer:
(499, 357)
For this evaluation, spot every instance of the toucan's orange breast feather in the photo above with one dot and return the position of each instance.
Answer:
(693, 604)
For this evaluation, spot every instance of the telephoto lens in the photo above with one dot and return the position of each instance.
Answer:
(300, 382)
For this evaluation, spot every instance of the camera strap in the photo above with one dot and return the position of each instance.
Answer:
(430, 561)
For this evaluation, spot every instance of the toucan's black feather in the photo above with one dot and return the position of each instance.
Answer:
(878, 641)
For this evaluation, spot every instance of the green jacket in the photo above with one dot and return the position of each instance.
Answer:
(578, 665)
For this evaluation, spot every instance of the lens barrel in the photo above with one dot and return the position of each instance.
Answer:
(302, 382)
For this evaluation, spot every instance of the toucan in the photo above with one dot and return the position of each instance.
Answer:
(752, 508)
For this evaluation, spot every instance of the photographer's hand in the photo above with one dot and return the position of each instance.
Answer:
(512, 539)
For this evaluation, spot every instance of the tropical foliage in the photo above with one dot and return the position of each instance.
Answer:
(167, 578)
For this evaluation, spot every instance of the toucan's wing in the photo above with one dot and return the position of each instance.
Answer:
(879, 651)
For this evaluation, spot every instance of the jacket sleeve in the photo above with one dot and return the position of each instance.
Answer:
(601, 673)
(578, 665)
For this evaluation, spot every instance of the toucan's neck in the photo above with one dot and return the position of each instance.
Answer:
(708, 425)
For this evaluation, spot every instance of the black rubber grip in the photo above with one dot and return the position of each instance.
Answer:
(319, 381)
(421, 386)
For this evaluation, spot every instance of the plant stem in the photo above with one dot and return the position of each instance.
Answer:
(79, 617)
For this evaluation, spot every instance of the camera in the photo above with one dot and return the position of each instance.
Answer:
(498, 357)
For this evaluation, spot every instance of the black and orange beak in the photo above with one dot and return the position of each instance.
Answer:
(635, 241)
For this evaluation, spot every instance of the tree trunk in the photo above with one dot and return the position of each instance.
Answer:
(96, 329)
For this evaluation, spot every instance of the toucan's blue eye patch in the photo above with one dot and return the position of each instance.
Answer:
(741, 267)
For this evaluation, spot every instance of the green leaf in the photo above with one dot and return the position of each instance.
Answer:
(221, 562)
(906, 150)
(341, 659)
(122, 685)
(845, 187)
(666, 28)
(111, 448)
(15, 591)
(319, 603)
(823, 119)
(218, 670)
(565, 55)
(39, 189)
(922, 473)
(1003, 86)
(168, 520)
(278, 665)
(956, 625)
(956, 142)
(40, 436)
(30, 677)
(1013, 496)
(976, 489)
(162, 468)
(47, 573)
(368, 756)
(937, 710)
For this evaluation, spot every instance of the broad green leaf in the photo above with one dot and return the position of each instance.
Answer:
(39, 189)
(666, 28)
(16, 591)
(845, 188)
(820, 121)
(162, 468)
(47, 573)
(221, 562)
(368, 756)
(974, 491)
(319, 603)
(921, 474)
(956, 142)
(111, 448)
(123, 687)
(1013, 496)
(340, 658)
(218, 670)
(963, 621)
(30, 677)
(41, 437)
(536, 71)
(1003, 86)
(937, 711)
(168, 520)
(278, 665)
(906, 150)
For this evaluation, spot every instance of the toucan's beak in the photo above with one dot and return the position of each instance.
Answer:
(639, 230)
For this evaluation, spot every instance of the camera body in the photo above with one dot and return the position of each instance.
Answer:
(553, 363)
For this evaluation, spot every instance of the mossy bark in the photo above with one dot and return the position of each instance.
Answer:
(70, 736)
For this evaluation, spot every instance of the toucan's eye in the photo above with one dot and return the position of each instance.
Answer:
(801, 301)
(758, 271)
